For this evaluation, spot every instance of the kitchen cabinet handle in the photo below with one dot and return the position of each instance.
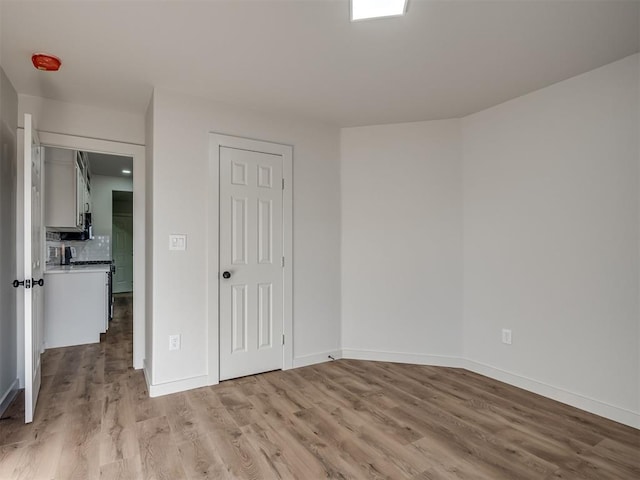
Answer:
(39, 283)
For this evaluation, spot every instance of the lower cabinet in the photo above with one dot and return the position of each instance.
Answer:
(75, 308)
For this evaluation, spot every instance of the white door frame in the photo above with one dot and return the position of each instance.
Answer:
(216, 141)
(137, 152)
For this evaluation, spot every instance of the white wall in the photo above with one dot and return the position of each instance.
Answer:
(551, 239)
(402, 241)
(8, 172)
(181, 127)
(82, 120)
(102, 188)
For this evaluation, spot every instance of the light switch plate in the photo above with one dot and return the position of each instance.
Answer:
(174, 342)
(177, 242)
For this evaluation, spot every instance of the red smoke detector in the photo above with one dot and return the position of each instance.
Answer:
(45, 62)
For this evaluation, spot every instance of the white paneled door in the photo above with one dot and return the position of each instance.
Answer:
(251, 262)
(32, 255)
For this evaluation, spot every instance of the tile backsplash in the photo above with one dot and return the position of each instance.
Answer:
(97, 249)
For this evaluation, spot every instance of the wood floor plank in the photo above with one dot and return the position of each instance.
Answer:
(79, 458)
(266, 442)
(144, 407)
(515, 462)
(402, 455)
(201, 461)
(118, 427)
(125, 469)
(353, 450)
(346, 419)
(158, 453)
(9, 457)
(242, 460)
(182, 418)
(40, 458)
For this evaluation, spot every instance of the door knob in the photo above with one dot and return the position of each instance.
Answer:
(25, 283)
(226, 274)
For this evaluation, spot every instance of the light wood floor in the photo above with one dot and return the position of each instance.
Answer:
(345, 419)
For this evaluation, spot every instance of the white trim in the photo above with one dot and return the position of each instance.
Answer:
(9, 395)
(177, 385)
(400, 357)
(576, 400)
(19, 252)
(145, 371)
(314, 358)
(137, 152)
(582, 402)
(286, 151)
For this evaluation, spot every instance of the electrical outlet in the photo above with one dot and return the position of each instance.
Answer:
(506, 336)
(174, 342)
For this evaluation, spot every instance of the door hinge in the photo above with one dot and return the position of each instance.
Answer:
(282, 262)
(283, 338)
(283, 183)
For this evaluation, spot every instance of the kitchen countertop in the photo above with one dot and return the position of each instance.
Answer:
(77, 268)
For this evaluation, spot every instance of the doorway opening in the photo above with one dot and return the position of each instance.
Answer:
(133, 156)
(122, 241)
(81, 261)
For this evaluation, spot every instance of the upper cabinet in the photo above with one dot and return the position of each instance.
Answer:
(67, 190)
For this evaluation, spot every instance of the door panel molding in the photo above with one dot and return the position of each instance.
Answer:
(216, 142)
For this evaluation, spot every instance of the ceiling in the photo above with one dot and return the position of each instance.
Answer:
(110, 165)
(444, 59)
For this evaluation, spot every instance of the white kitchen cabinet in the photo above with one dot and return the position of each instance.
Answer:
(75, 306)
(64, 191)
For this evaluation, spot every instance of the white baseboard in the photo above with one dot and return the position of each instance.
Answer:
(178, 386)
(314, 358)
(398, 357)
(597, 407)
(8, 396)
(576, 400)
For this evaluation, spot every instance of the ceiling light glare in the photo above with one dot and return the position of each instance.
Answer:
(126, 172)
(364, 9)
